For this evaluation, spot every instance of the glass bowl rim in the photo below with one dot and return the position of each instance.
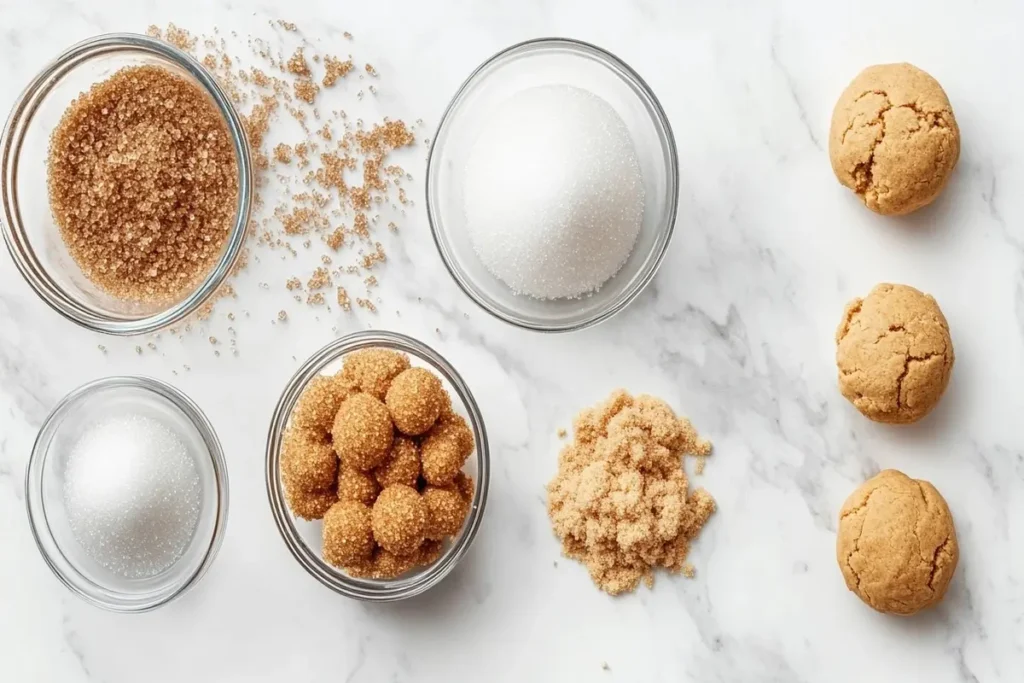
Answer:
(315, 566)
(61, 567)
(12, 226)
(665, 232)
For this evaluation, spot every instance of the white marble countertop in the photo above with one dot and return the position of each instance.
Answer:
(736, 332)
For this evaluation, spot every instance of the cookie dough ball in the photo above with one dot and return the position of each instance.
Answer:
(308, 505)
(399, 520)
(356, 485)
(897, 546)
(415, 399)
(373, 369)
(894, 354)
(308, 460)
(348, 534)
(320, 401)
(894, 140)
(445, 449)
(402, 465)
(446, 511)
(362, 432)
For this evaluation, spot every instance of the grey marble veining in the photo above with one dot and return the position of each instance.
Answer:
(736, 332)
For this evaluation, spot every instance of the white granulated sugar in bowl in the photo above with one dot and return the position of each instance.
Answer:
(554, 195)
(132, 494)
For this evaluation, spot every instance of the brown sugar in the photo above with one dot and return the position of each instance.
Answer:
(620, 502)
(373, 369)
(297, 64)
(335, 69)
(415, 400)
(308, 505)
(446, 511)
(308, 460)
(362, 432)
(402, 465)
(318, 405)
(143, 183)
(399, 520)
(306, 90)
(445, 449)
(348, 534)
(356, 485)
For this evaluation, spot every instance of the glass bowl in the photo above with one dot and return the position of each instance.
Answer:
(29, 230)
(304, 539)
(44, 488)
(535, 63)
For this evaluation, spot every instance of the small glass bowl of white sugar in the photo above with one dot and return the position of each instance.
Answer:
(127, 493)
(552, 185)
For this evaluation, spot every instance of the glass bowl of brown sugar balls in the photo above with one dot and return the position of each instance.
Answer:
(377, 466)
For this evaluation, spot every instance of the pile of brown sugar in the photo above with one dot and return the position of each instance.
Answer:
(143, 183)
(620, 502)
(377, 452)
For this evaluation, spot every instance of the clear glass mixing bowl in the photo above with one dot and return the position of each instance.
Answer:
(44, 492)
(29, 230)
(543, 62)
(304, 539)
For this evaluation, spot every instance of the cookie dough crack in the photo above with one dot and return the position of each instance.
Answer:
(940, 550)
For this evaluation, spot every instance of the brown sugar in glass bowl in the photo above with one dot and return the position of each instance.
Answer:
(152, 291)
(341, 539)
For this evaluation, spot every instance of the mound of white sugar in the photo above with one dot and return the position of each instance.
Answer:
(132, 494)
(554, 195)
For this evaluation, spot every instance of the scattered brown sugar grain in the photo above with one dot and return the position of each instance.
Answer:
(356, 485)
(415, 399)
(297, 64)
(399, 520)
(308, 505)
(143, 183)
(446, 511)
(402, 465)
(348, 534)
(445, 449)
(308, 460)
(620, 502)
(373, 369)
(319, 403)
(306, 90)
(362, 432)
(335, 69)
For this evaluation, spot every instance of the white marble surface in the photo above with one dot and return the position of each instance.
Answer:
(736, 332)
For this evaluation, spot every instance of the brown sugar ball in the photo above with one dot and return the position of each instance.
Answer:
(445, 449)
(402, 465)
(446, 511)
(362, 432)
(894, 354)
(415, 399)
(894, 140)
(320, 401)
(464, 485)
(373, 369)
(897, 545)
(308, 460)
(308, 505)
(348, 534)
(399, 520)
(356, 485)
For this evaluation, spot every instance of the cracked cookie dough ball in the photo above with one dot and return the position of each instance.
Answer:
(894, 354)
(894, 140)
(897, 546)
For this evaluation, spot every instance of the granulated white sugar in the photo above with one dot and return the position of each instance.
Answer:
(554, 194)
(132, 494)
